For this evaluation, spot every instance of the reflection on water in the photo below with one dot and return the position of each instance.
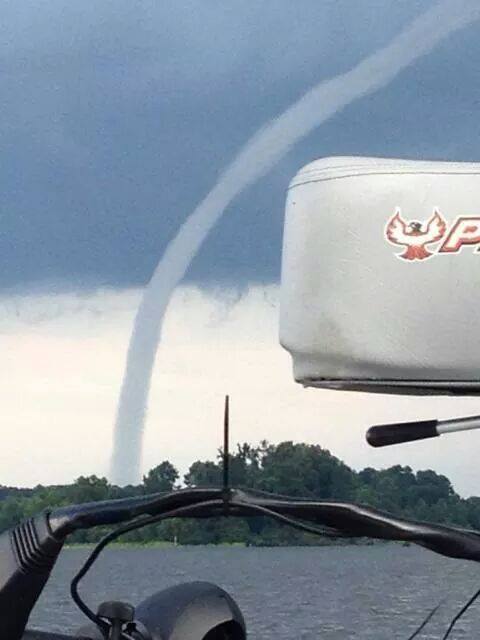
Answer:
(376, 592)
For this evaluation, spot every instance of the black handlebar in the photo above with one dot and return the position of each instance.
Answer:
(66, 520)
(387, 434)
(344, 519)
(29, 551)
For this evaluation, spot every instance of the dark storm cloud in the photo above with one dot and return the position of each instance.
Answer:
(117, 117)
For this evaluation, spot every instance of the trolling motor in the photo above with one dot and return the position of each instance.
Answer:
(190, 611)
(197, 610)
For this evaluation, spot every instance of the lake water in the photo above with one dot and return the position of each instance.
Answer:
(377, 592)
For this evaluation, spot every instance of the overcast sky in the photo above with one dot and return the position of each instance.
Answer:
(116, 119)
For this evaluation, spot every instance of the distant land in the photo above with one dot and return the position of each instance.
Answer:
(294, 469)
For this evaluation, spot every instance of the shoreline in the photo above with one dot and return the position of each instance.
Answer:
(171, 545)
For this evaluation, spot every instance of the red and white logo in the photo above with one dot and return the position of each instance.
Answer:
(416, 236)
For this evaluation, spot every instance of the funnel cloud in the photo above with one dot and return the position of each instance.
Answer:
(255, 159)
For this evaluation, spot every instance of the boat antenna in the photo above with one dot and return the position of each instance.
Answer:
(226, 451)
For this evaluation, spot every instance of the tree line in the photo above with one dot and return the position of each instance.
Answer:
(297, 470)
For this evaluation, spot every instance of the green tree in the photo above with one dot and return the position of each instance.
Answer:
(203, 474)
(89, 489)
(295, 469)
(161, 478)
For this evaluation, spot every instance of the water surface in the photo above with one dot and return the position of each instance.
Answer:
(374, 592)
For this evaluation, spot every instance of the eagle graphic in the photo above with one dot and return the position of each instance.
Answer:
(413, 236)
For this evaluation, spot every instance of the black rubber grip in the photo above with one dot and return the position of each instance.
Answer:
(387, 434)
